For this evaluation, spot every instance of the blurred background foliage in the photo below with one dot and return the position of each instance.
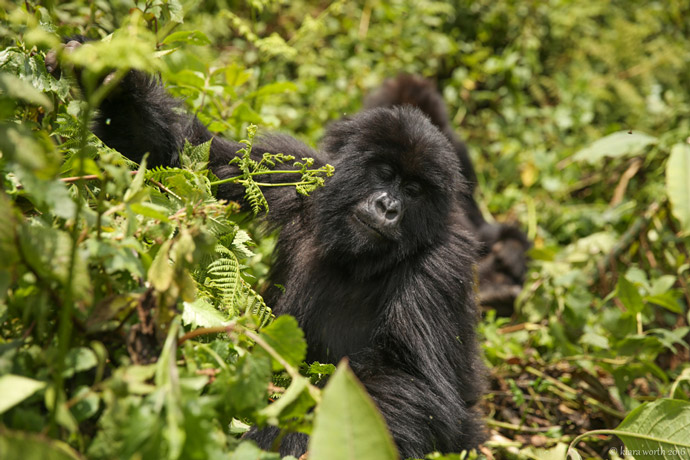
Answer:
(543, 91)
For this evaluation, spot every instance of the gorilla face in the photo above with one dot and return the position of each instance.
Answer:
(392, 192)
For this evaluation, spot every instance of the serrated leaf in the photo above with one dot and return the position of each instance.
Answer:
(678, 183)
(15, 88)
(244, 390)
(285, 337)
(239, 244)
(348, 425)
(195, 157)
(618, 144)
(660, 429)
(201, 313)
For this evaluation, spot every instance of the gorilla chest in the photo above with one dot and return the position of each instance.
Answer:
(339, 319)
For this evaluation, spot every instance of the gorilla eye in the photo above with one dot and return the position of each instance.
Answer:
(385, 172)
(413, 189)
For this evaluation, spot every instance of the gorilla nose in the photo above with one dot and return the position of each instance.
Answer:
(387, 208)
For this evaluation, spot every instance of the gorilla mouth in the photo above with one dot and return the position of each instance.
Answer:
(367, 226)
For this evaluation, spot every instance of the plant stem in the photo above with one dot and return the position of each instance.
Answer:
(257, 173)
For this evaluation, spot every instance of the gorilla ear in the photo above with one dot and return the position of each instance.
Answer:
(338, 134)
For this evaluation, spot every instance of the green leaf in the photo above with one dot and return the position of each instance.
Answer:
(15, 445)
(660, 429)
(619, 144)
(16, 88)
(79, 360)
(15, 389)
(136, 192)
(348, 425)
(628, 294)
(274, 88)
(192, 37)
(8, 234)
(247, 450)
(295, 402)
(201, 313)
(246, 389)
(161, 271)
(678, 183)
(285, 337)
(151, 210)
(19, 144)
(666, 300)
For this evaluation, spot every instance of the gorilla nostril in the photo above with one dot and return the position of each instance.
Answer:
(381, 205)
(391, 213)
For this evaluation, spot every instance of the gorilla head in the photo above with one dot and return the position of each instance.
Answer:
(394, 186)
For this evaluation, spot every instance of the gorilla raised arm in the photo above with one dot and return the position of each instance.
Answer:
(376, 265)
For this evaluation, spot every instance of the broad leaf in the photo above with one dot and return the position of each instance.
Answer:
(15, 389)
(348, 425)
(285, 337)
(200, 313)
(34, 447)
(660, 429)
(628, 294)
(619, 144)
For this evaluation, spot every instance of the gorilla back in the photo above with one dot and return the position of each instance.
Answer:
(375, 266)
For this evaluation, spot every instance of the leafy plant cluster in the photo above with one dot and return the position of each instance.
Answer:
(131, 322)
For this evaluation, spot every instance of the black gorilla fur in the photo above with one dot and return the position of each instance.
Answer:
(503, 261)
(377, 265)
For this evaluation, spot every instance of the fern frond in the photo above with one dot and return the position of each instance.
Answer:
(225, 278)
(160, 173)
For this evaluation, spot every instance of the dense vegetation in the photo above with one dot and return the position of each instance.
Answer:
(130, 320)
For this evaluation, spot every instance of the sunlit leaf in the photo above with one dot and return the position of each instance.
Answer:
(619, 144)
(678, 183)
(15, 389)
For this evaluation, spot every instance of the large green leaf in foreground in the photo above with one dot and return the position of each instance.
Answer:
(348, 426)
(657, 430)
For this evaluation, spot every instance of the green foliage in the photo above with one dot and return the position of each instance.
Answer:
(347, 424)
(653, 430)
(104, 281)
(310, 179)
(678, 183)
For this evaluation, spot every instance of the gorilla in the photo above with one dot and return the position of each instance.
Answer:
(503, 259)
(376, 266)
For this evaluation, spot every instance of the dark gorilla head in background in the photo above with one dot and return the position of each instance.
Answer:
(395, 184)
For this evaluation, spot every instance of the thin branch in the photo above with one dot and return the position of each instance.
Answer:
(205, 331)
